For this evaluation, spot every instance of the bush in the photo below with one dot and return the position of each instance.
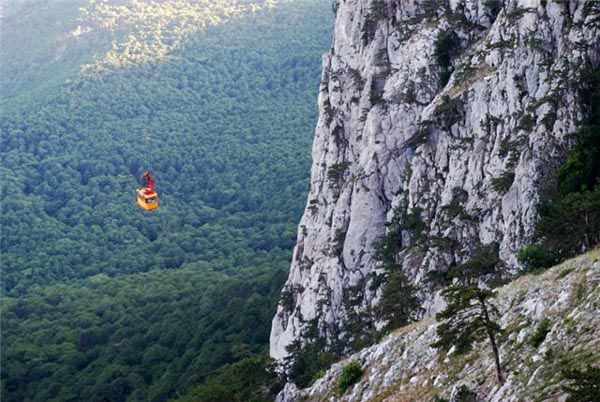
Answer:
(464, 394)
(494, 7)
(536, 256)
(582, 386)
(540, 333)
(350, 375)
(446, 45)
(503, 182)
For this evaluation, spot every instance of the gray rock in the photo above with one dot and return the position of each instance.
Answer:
(392, 134)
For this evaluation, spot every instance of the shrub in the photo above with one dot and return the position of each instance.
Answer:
(446, 46)
(503, 182)
(464, 394)
(516, 13)
(536, 256)
(526, 123)
(336, 172)
(582, 386)
(540, 333)
(494, 7)
(570, 224)
(398, 305)
(350, 375)
(307, 361)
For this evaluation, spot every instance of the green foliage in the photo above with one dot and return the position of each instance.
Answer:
(336, 172)
(307, 361)
(37, 55)
(503, 182)
(455, 208)
(375, 14)
(581, 170)
(171, 327)
(540, 333)
(469, 315)
(100, 300)
(535, 256)
(230, 171)
(338, 242)
(526, 123)
(582, 386)
(511, 148)
(464, 394)
(335, 176)
(450, 111)
(494, 7)
(398, 305)
(463, 320)
(286, 299)
(569, 225)
(446, 46)
(249, 380)
(350, 375)
(484, 262)
(516, 13)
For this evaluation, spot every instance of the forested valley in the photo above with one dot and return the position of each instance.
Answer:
(101, 300)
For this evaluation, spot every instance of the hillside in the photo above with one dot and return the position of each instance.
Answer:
(404, 367)
(100, 300)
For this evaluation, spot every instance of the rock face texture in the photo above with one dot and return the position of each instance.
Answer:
(403, 367)
(449, 117)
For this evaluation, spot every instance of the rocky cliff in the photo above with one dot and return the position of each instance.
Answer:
(551, 324)
(448, 118)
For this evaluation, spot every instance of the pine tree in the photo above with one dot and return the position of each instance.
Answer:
(398, 305)
(467, 318)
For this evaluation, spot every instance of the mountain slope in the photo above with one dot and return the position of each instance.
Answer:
(403, 367)
(441, 127)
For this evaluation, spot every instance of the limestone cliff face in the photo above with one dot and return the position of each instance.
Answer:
(451, 114)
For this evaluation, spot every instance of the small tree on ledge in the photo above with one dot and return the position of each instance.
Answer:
(468, 316)
(467, 319)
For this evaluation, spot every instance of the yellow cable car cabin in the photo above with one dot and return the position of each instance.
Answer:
(147, 197)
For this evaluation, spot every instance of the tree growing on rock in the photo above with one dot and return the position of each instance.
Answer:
(467, 319)
(469, 313)
(399, 304)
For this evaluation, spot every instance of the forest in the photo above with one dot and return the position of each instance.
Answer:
(101, 300)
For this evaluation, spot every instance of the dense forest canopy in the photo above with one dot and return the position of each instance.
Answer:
(217, 98)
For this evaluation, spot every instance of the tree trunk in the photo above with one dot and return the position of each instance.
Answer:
(492, 337)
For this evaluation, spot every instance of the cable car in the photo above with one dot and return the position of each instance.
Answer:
(147, 197)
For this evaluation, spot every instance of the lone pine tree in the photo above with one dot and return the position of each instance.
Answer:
(468, 315)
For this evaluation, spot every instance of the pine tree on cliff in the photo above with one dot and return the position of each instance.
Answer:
(468, 316)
